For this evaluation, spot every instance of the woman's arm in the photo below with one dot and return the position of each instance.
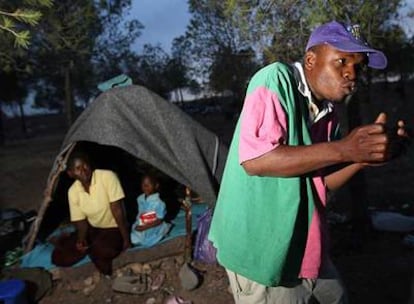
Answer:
(148, 226)
(117, 210)
(82, 230)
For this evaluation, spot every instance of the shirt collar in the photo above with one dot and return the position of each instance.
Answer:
(93, 182)
(153, 196)
(302, 84)
(315, 112)
(93, 179)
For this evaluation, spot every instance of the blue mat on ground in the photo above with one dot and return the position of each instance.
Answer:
(41, 254)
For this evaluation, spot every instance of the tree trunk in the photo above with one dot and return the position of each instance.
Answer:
(2, 133)
(177, 98)
(181, 95)
(22, 118)
(68, 97)
(401, 86)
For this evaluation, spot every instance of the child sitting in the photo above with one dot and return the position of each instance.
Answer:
(150, 226)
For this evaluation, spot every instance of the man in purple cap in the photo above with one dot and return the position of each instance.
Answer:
(268, 224)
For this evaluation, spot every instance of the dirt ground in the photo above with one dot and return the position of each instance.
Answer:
(380, 270)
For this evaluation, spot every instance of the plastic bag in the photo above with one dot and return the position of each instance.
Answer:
(204, 250)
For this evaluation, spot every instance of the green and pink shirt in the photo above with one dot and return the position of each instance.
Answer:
(271, 229)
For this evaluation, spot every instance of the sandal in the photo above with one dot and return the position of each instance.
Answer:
(158, 281)
(139, 284)
(177, 300)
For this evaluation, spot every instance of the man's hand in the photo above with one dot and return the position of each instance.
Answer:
(399, 140)
(367, 144)
(401, 131)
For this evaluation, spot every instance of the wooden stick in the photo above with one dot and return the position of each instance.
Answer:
(59, 167)
(188, 225)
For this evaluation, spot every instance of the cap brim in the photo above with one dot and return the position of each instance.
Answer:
(376, 59)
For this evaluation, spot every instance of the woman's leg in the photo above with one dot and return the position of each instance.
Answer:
(65, 253)
(105, 245)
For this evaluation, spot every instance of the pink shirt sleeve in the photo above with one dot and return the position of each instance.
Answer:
(263, 124)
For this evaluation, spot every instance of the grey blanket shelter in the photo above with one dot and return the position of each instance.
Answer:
(146, 126)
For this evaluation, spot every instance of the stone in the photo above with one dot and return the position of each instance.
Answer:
(88, 281)
(88, 290)
(146, 268)
(56, 274)
(167, 265)
(151, 301)
(156, 264)
(188, 278)
(96, 277)
(179, 260)
(137, 268)
(119, 273)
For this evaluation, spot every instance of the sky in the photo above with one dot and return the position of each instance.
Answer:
(163, 20)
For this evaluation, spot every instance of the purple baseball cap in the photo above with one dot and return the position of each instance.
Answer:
(346, 38)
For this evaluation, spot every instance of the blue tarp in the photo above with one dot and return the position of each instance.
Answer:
(41, 254)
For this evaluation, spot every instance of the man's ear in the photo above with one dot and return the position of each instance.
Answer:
(309, 60)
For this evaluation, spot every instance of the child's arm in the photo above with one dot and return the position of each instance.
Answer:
(148, 226)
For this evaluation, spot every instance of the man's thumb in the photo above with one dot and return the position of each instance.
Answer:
(381, 119)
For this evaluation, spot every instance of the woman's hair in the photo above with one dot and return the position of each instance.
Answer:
(77, 154)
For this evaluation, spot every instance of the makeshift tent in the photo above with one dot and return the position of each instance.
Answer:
(134, 122)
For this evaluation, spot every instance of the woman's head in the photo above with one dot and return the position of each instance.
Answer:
(149, 184)
(79, 167)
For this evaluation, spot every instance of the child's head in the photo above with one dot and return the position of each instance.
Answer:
(149, 184)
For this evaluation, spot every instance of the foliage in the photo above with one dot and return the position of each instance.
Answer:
(374, 17)
(151, 67)
(276, 29)
(279, 29)
(17, 18)
(81, 44)
(15, 87)
(64, 48)
(113, 54)
(74, 46)
(161, 72)
(215, 47)
(231, 70)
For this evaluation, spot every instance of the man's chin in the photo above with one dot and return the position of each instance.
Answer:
(338, 100)
(341, 99)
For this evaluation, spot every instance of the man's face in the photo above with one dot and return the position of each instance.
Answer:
(332, 74)
(81, 171)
